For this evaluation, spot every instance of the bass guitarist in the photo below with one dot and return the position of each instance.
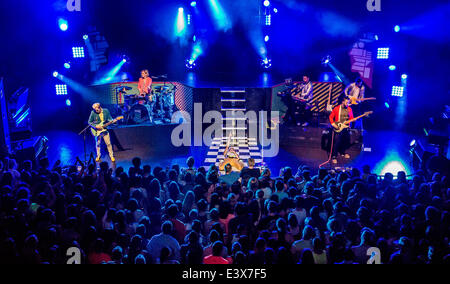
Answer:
(341, 140)
(98, 117)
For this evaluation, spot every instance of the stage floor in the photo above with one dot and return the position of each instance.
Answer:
(388, 150)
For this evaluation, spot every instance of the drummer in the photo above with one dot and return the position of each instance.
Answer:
(145, 86)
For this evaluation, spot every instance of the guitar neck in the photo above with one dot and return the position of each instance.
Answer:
(355, 119)
(109, 123)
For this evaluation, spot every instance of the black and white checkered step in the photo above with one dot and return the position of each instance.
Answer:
(245, 147)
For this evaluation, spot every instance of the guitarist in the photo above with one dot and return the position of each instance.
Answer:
(341, 113)
(355, 91)
(101, 115)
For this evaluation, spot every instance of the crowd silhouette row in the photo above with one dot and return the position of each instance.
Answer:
(188, 215)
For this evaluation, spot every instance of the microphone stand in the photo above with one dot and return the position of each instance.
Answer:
(84, 143)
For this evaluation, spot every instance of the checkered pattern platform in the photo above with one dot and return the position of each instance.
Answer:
(245, 147)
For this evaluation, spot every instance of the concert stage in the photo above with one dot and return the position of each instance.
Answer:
(144, 140)
(311, 144)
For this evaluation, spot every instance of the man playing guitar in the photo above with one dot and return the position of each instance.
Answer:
(355, 91)
(98, 117)
(341, 114)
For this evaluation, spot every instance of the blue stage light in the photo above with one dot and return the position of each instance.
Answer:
(61, 89)
(190, 63)
(67, 65)
(68, 102)
(221, 20)
(266, 38)
(266, 63)
(393, 167)
(386, 104)
(63, 25)
(193, 3)
(383, 53)
(268, 20)
(180, 23)
(376, 37)
(412, 143)
(392, 67)
(275, 10)
(404, 76)
(55, 74)
(78, 52)
(85, 37)
(397, 28)
(266, 3)
(397, 91)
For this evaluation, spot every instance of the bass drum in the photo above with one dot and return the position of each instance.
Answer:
(139, 113)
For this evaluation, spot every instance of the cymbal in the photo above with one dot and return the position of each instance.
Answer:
(127, 88)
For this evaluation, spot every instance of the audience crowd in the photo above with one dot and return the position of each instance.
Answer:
(190, 215)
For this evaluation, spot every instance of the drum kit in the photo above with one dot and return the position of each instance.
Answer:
(159, 104)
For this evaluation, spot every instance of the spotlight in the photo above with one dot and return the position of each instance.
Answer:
(397, 28)
(386, 104)
(193, 3)
(67, 65)
(63, 25)
(404, 76)
(125, 59)
(190, 63)
(266, 63)
(412, 143)
(55, 74)
(180, 23)
(383, 53)
(266, 3)
(392, 67)
(275, 10)
(61, 89)
(376, 37)
(78, 52)
(397, 91)
(326, 60)
(68, 102)
(266, 38)
(194, 38)
(85, 37)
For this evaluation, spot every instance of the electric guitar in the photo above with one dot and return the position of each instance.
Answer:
(355, 101)
(96, 132)
(343, 125)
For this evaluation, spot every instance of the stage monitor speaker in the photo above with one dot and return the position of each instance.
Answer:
(421, 152)
(436, 137)
(33, 149)
(5, 141)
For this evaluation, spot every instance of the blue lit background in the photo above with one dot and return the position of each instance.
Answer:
(228, 41)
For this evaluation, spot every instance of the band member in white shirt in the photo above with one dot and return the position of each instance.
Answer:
(355, 92)
(303, 98)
